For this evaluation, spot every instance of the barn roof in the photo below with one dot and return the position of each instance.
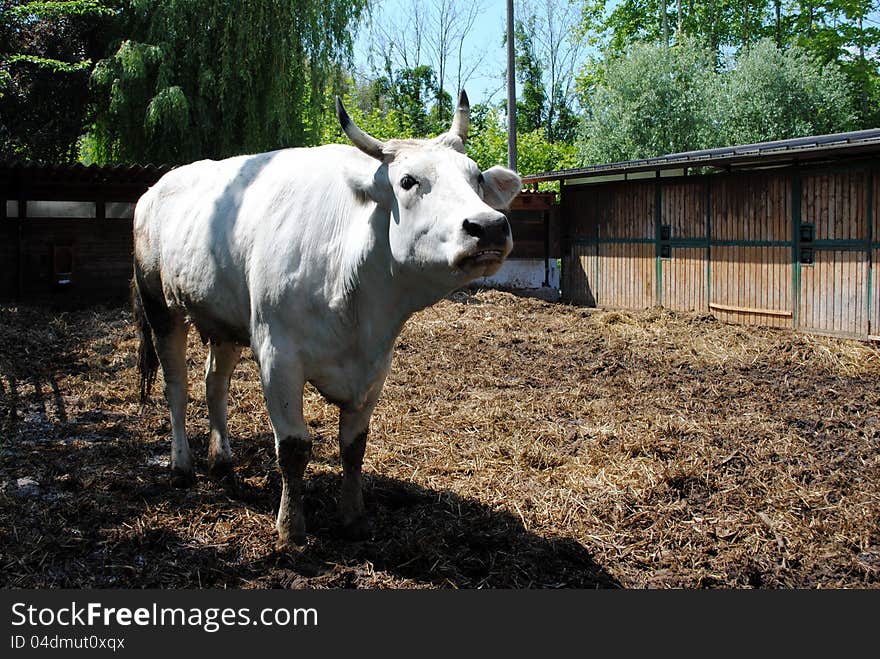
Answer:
(36, 180)
(81, 173)
(762, 154)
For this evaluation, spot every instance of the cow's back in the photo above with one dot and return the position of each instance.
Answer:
(218, 236)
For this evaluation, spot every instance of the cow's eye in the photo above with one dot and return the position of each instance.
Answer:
(407, 182)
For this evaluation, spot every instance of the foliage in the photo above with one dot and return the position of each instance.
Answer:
(774, 94)
(843, 32)
(548, 54)
(209, 78)
(531, 108)
(654, 101)
(487, 145)
(487, 138)
(47, 54)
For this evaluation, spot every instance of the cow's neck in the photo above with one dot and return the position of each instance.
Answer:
(385, 297)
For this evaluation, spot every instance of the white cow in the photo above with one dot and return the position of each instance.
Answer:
(315, 258)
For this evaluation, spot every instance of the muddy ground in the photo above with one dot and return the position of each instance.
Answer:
(518, 444)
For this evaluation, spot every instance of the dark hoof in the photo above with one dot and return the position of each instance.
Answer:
(182, 479)
(224, 474)
(359, 529)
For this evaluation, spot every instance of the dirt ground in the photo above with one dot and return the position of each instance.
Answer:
(518, 444)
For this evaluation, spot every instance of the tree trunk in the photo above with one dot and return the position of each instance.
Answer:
(665, 25)
(678, 16)
(778, 6)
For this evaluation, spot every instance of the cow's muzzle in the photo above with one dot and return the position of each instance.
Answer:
(490, 230)
(493, 240)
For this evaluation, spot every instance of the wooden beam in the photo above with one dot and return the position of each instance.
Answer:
(764, 312)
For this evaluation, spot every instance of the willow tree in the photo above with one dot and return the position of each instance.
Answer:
(213, 78)
(47, 51)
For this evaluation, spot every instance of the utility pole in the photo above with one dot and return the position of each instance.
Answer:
(511, 90)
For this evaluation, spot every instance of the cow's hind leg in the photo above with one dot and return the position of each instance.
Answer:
(222, 359)
(171, 348)
(353, 428)
(283, 389)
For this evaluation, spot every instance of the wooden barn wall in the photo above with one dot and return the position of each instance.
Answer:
(99, 249)
(874, 272)
(751, 285)
(579, 258)
(790, 248)
(627, 275)
(751, 250)
(683, 277)
(683, 233)
(535, 232)
(834, 287)
(874, 294)
(612, 262)
(8, 259)
(579, 274)
(833, 293)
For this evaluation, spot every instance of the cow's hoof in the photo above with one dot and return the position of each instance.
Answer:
(222, 472)
(182, 479)
(358, 529)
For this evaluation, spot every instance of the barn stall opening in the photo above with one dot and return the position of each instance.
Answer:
(779, 234)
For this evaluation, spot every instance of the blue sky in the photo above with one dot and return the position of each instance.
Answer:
(484, 44)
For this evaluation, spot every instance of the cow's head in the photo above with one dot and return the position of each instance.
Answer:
(444, 210)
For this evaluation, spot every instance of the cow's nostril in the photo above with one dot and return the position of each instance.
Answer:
(472, 228)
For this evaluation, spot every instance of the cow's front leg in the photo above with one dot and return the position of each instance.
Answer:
(283, 390)
(353, 429)
(293, 458)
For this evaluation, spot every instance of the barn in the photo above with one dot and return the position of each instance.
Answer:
(66, 231)
(781, 234)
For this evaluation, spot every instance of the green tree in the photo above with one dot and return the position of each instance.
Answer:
(548, 54)
(843, 32)
(487, 145)
(48, 51)
(531, 108)
(773, 94)
(402, 103)
(213, 78)
(655, 100)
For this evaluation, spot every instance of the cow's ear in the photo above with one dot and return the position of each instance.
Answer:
(369, 183)
(500, 186)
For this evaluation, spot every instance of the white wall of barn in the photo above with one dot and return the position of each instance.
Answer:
(522, 274)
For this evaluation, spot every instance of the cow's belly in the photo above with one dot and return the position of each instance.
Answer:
(212, 296)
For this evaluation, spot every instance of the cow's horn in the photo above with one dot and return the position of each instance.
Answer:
(462, 118)
(366, 143)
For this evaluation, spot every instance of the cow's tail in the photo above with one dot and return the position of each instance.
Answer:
(147, 359)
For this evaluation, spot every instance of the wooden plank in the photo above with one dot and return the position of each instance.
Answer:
(750, 310)
(627, 276)
(875, 293)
